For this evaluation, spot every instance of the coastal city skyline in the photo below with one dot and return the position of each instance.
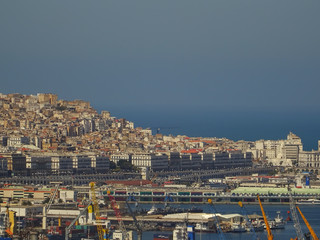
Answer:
(43, 123)
(159, 120)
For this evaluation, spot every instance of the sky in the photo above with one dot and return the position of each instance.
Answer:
(179, 54)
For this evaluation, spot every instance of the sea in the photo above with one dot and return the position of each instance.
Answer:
(236, 123)
(311, 212)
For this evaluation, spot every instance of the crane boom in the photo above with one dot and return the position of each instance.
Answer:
(313, 234)
(96, 210)
(296, 223)
(221, 235)
(118, 214)
(74, 221)
(52, 198)
(270, 236)
(48, 206)
(139, 230)
(244, 212)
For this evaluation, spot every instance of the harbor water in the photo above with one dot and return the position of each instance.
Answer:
(311, 212)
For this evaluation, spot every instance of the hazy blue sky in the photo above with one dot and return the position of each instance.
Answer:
(210, 53)
(173, 62)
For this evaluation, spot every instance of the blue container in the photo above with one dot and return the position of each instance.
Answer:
(307, 181)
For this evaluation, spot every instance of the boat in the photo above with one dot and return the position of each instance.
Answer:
(256, 224)
(152, 210)
(258, 228)
(310, 201)
(278, 222)
(162, 236)
(237, 227)
(204, 227)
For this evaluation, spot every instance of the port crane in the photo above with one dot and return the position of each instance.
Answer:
(270, 236)
(295, 218)
(74, 221)
(118, 215)
(221, 235)
(313, 234)
(96, 210)
(138, 227)
(47, 207)
(244, 212)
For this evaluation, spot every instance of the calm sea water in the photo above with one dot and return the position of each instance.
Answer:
(233, 123)
(312, 213)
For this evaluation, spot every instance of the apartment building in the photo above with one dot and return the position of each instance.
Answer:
(156, 162)
(121, 156)
(309, 160)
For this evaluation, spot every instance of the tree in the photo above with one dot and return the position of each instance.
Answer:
(113, 165)
(125, 165)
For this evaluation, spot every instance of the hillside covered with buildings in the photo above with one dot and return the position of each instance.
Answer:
(41, 133)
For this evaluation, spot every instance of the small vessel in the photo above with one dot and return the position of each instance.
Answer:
(162, 236)
(204, 227)
(256, 224)
(152, 210)
(311, 201)
(278, 222)
(237, 227)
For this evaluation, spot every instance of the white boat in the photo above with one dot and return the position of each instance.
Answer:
(278, 222)
(152, 210)
(256, 224)
(203, 227)
(310, 201)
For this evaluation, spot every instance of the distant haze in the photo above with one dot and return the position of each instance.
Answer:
(236, 125)
(257, 62)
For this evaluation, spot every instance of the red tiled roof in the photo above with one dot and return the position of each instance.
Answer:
(129, 182)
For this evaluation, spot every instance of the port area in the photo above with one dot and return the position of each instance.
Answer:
(216, 198)
(205, 222)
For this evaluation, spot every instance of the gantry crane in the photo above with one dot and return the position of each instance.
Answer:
(313, 234)
(244, 212)
(118, 215)
(96, 210)
(221, 235)
(270, 236)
